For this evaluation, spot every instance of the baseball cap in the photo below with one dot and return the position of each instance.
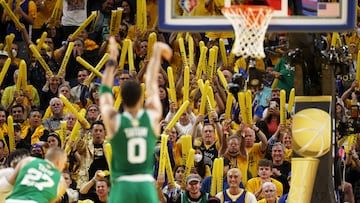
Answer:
(4, 53)
(36, 145)
(17, 126)
(193, 177)
(213, 200)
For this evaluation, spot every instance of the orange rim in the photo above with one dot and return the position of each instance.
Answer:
(250, 12)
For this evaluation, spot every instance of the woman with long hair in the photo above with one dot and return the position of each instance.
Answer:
(270, 122)
(165, 102)
(94, 96)
(128, 14)
(200, 167)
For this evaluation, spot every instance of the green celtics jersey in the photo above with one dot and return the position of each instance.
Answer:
(38, 181)
(133, 146)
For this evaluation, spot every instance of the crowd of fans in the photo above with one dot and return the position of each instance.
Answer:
(261, 151)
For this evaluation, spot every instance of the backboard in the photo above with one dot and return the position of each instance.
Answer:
(310, 16)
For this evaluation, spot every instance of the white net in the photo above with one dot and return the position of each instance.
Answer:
(250, 24)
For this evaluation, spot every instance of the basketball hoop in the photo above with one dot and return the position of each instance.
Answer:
(250, 24)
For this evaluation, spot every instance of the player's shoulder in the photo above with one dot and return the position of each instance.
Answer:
(29, 159)
(25, 161)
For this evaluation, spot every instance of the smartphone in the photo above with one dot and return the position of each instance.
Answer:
(272, 104)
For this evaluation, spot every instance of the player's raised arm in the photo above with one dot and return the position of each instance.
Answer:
(106, 96)
(153, 104)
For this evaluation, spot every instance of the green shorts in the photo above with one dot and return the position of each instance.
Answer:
(134, 192)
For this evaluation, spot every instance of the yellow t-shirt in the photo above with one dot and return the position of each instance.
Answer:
(132, 31)
(24, 128)
(201, 9)
(254, 185)
(43, 13)
(177, 152)
(264, 200)
(254, 156)
(9, 91)
(35, 137)
(216, 10)
(288, 155)
(152, 8)
(241, 163)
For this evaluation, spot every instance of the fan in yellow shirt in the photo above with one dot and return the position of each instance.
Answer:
(269, 192)
(254, 185)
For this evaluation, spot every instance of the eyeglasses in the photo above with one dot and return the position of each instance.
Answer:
(267, 191)
(56, 104)
(93, 110)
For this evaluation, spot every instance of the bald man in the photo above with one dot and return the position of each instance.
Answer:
(235, 192)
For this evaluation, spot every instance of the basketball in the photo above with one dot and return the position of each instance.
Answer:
(311, 132)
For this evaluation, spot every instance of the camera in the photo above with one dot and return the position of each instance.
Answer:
(237, 84)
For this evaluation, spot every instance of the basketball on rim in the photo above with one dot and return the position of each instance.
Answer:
(311, 132)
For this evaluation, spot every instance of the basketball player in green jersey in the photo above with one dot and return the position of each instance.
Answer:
(133, 133)
(38, 180)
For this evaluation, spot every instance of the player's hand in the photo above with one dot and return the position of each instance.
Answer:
(111, 66)
(109, 75)
(166, 51)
